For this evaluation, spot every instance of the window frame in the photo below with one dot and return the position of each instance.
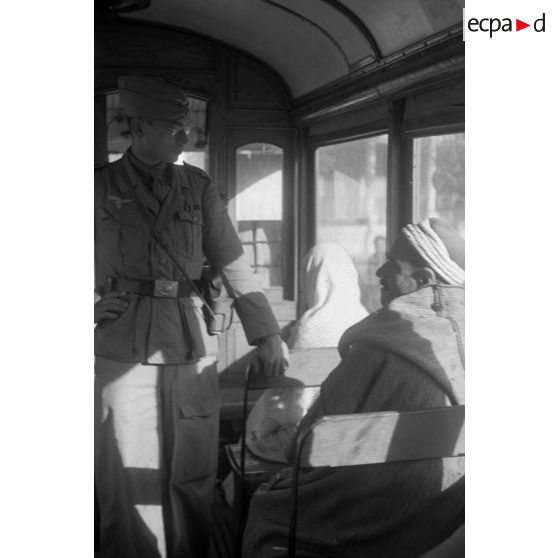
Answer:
(233, 209)
(327, 140)
(308, 198)
(284, 138)
(401, 203)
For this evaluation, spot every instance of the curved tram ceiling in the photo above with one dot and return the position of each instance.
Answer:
(343, 39)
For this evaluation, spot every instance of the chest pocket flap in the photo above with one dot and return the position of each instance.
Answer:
(188, 233)
(193, 216)
(124, 211)
(125, 231)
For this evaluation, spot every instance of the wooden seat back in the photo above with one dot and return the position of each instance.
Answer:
(383, 437)
(374, 438)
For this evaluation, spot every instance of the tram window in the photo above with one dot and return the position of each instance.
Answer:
(439, 178)
(196, 151)
(259, 209)
(351, 199)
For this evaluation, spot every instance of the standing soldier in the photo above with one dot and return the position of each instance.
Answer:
(156, 383)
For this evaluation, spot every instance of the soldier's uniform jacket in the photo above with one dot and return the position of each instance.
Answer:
(194, 222)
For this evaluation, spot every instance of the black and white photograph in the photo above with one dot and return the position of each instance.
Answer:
(279, 278)
(274, 228)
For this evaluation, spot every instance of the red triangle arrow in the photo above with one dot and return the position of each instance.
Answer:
(519, 25)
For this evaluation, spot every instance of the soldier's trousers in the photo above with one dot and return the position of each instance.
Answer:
(156, 445)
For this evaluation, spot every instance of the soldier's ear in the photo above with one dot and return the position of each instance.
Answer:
(424, 276)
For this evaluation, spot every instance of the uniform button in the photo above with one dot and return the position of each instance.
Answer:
(195, 218)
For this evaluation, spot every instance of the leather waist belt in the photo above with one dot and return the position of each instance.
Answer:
(159, 288)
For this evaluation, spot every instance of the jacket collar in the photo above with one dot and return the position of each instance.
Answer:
(135, 180)
(167, 171)
(138, 173)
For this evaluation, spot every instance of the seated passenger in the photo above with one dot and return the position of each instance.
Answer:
(406, 356)
(330, 291)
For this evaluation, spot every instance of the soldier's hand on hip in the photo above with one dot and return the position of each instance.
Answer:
(110, 306)
(271, 357)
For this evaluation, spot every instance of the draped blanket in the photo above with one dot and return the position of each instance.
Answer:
(411, 328)
(407, 356)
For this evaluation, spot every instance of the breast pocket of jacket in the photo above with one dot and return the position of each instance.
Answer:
(129, 232)
(198, 438)
(188, 233)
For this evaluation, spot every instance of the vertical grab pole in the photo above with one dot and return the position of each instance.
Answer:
(241, 484)
(294, 494)
(248, 376)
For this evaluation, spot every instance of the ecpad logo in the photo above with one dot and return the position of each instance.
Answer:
(494, 24)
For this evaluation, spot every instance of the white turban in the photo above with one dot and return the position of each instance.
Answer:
(434, 251)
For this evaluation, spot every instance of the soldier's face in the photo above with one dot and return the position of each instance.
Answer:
(164, 141)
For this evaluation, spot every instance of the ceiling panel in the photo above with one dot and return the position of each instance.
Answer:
(339, 28)
(396, 24)
(310, 43)
(304, 56)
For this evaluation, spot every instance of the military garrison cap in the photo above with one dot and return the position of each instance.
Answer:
(152, 98)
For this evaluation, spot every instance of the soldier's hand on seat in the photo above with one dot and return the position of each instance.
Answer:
(110, 306)
(271, 357)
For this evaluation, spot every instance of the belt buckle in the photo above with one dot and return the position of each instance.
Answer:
(165, 289)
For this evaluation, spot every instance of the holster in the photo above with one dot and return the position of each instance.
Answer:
(211, 287)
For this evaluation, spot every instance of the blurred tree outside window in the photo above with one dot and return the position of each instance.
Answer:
(439, 179)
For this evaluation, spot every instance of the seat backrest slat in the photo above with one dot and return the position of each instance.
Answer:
(308, 367)
(383, 437)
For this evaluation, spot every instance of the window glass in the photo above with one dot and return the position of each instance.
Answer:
(196, 151)
(439, 179)
(351, 196)
(259, 209)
